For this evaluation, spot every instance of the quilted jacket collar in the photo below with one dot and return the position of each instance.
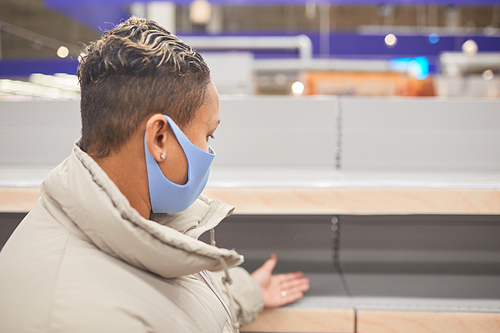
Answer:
(80, 194)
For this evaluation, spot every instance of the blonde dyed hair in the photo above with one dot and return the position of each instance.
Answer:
(133, 71)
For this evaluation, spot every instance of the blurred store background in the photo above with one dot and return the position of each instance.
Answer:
(381, 183)
(386, 48)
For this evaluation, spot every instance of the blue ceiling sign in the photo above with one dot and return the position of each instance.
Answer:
(104, 15)
(77, 3)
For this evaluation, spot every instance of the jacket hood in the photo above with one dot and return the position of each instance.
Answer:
(81, 196)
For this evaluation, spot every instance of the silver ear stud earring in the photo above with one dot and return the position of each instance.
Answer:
(162, 156)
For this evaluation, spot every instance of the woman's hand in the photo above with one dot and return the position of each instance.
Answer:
(281, 289)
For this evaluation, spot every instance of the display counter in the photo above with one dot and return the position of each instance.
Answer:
(313, 191)
(264, 200)
(391, 207)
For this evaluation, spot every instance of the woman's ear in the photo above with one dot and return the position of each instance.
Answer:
(157, 129)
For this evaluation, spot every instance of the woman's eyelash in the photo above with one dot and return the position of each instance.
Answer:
(211, 137)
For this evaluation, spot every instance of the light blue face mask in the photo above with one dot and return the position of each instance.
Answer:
(167, 196)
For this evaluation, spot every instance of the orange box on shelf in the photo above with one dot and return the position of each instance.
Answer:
(366, 84)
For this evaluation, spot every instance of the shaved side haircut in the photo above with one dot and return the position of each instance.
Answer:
(132, 71)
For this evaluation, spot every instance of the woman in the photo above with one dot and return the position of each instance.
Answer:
(111, 245)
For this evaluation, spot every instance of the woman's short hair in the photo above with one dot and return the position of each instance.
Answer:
(132, 71)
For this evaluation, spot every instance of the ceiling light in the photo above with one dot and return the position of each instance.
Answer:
(469, 47)
(433, 38)
(200, 11)
(390, 40)
(62, 52)
(298, 88)
(488, 75)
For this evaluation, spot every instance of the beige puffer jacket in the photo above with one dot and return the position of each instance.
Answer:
(84, 260)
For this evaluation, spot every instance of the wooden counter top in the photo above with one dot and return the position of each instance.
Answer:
(345, 321)
(373, 315)
(18, 199)
(381, 201)
(303, 320)
(313, 191)
(372, 201)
